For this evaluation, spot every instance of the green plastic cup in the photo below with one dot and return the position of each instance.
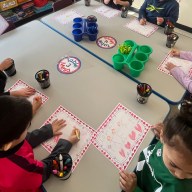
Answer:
(130, 42)
(135, 68)
(142, 57)
(118, 61)
(145, 49)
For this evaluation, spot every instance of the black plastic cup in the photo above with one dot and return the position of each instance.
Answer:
(87, 2)
(124, 12)
(42, 78)
(144, 90)
(63, 171)
(171, 40)
(168, 30)
(11, 70)
(91, 18)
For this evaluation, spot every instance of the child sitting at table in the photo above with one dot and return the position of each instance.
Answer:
(25, 92)
(166, 165)
(184, 79)
(159, 12)
(20, 171)
(118, 4)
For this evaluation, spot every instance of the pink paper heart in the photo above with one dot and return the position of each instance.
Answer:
(132, 135)
(128, 145)
(138, 128)
(122, 153)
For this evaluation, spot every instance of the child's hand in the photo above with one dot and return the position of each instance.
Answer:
(75, 136)
(6, 64)
(175, 52)
(115, 2)
(170, 66)
(24, 92)
(128, 181)
(157, 129)
(57, 125)
(160, 20)
(37, 102)
(143, 21)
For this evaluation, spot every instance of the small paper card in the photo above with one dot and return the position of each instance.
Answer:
(145, 30)
(3, 25)
(107, 11)
(21, 84)
(106, 42)
(66, 17)
(86, 133)
(185, 65)
(120, 135)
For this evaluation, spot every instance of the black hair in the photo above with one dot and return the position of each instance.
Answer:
(180, 125)
(15, 115)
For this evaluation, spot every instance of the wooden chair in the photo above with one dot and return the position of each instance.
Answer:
(60, 4)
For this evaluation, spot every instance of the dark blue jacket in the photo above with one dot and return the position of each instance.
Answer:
(151, 9)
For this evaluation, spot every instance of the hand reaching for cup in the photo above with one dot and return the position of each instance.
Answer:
(175, 52)
(6, 64)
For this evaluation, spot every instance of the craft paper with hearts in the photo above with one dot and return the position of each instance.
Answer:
(185, 65)
(21, 84)
(146, 30)
(65, 17)
(107, 11)
(86, 133)
(120, 135)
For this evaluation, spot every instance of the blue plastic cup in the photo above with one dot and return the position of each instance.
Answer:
(77, 25)
(92, 33)
(92, 24)
(77, 33)
(77, 20)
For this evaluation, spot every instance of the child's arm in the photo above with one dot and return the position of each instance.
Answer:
(3, 79)
(5, 64)
(106, 1)
(24, 92)
(142, 11)
(123, 3)
(172, 13)
(187, 55)
(180, 76)
(38, 136)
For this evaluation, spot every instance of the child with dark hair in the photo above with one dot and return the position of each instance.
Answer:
(25, 92)
(118, 4)
(165, 166)
(20, 171)
(159, 12)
